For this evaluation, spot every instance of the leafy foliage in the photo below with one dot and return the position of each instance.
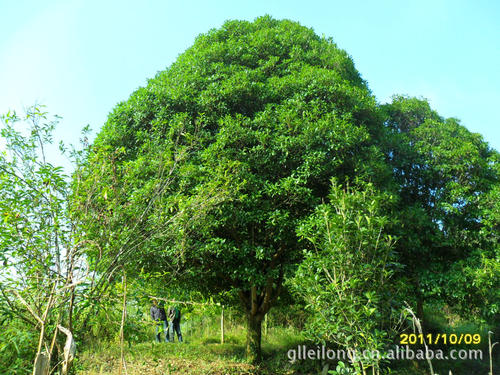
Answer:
(39, 261)
(205, 173)
(346, 278)
(447, 177)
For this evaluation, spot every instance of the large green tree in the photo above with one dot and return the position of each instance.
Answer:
(205, 173)
(447, 179)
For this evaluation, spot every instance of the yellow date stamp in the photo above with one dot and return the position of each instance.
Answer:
(440, 338)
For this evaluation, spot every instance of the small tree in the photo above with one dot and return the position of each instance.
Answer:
(346, 278)
(40, 264)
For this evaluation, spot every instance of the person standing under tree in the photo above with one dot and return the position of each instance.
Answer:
(159, 316)
(174, 317)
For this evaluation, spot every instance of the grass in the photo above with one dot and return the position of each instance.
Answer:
(199, 354)
(202, 353)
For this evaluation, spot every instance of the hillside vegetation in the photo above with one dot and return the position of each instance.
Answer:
(257, 174)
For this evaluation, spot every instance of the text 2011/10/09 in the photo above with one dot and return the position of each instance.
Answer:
(440, 338)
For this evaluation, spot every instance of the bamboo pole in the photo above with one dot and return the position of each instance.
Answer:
(124, 314)
(222, 325)
(265, 324)
(417, 324)
(490, 349)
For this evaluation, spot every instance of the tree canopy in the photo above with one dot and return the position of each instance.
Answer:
(446, 178)
(206, 175)
(213, 163)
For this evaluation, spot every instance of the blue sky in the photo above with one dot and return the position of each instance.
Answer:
(80, 58)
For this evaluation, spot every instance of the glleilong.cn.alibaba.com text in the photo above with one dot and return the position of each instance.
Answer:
(398, 353)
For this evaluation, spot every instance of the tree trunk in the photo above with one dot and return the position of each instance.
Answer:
(257, 303)
(254, 325)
